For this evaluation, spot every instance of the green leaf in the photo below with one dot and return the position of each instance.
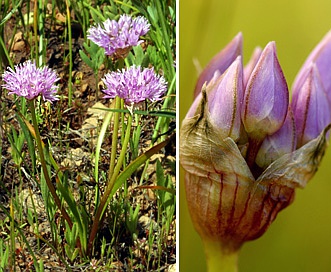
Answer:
(96, 14)
(97, 55)
(134, 141)
(166, 198)
(82, 224)
(133, 166)
(29, 140)
(139, 54)
(85, 58)
(153, 14)
(159, 113)
(9, 14)
(102, 133)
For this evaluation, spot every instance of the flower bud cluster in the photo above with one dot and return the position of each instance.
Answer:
(251, 104)
(245, 147)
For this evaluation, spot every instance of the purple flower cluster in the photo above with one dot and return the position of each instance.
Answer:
(29, 81)
(245, 147)
(251, 104)
(134, 85)
(115, 36)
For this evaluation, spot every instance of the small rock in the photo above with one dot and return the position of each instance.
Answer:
(75, 158)
(18, 42)
(146, 221)
(44, 227)
(172, 268)
(31, 200)
(84, 87)
(60, 17)
(77, 93)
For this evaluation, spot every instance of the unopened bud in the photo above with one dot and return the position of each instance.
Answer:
(225, 99)
(266, 96)
(282, 142)
(312, 110)
(220, 62)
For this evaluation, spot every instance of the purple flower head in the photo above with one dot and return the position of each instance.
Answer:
(119, 36)
(134, 85)
(29, 81)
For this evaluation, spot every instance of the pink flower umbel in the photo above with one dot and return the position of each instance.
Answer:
(135, 85)
(119, 36)
(245, 149)
(29, 81)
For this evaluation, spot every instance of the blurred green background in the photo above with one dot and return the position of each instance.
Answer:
(300, 238)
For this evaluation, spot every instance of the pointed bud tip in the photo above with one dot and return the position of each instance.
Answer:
(321, 56)
(251, 64)
(266, 96)
(312, 109)
(221, 61)
(225, 100)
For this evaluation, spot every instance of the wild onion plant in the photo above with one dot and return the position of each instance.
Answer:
(136, 82)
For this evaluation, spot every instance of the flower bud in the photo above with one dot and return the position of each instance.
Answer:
(235, 187)
(312, 110)
(225, 99)
(251, 64)
(220, 62)
(276, 145)
(321, 56)
(266, 96)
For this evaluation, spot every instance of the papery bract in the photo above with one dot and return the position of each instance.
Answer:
(197, 99)
(226, 202)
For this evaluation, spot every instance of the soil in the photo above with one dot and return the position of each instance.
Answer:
(73, 132)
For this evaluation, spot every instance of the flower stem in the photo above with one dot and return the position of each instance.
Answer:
(253, 149)
(218, 259)
(114, 138)
(44, 167)
(70, 55)
(35, 29)
(111, 181)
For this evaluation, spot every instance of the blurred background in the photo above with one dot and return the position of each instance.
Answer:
(300, 238)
